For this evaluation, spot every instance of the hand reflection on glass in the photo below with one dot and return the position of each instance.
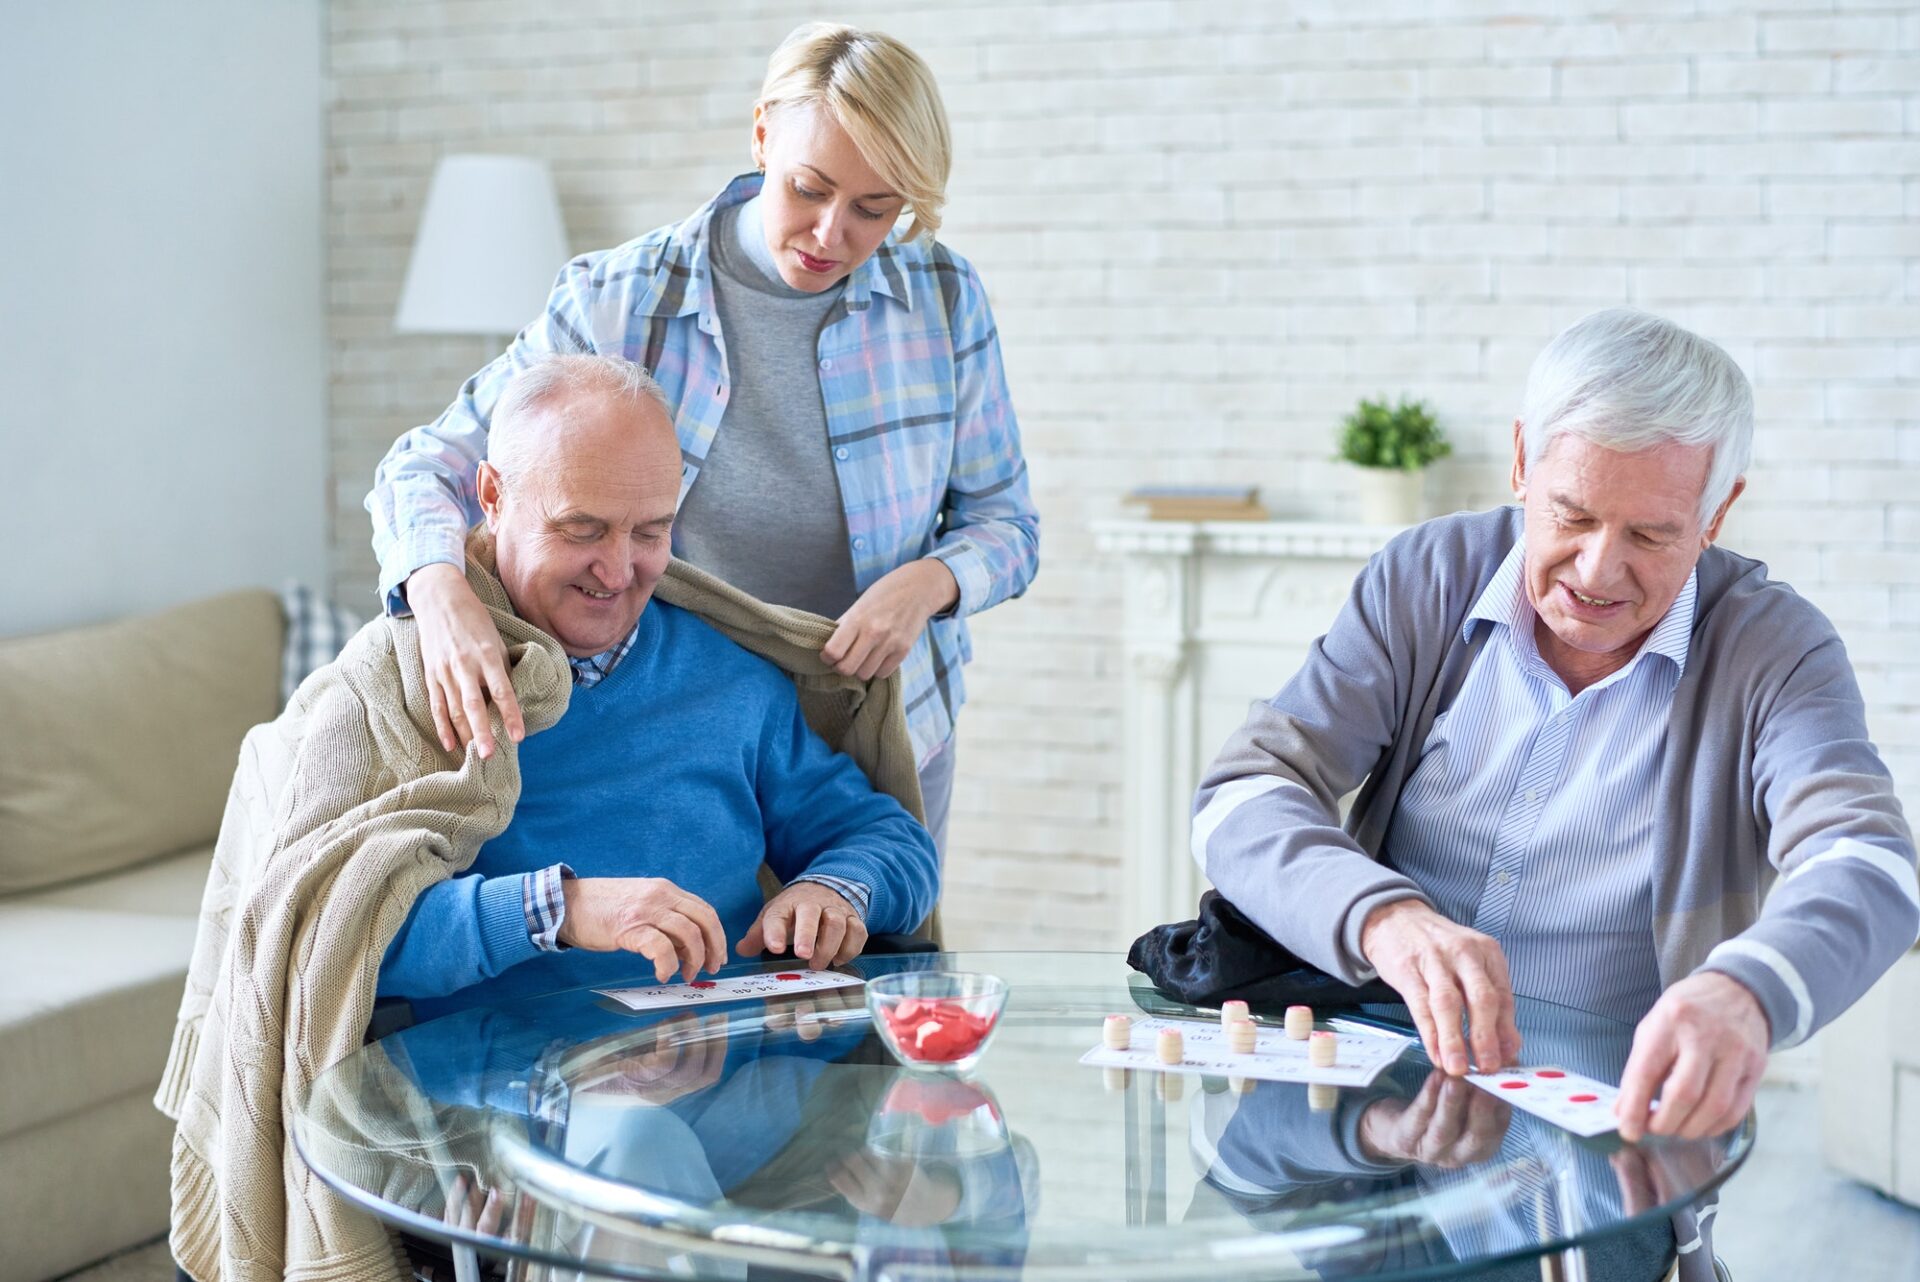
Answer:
(802, 1013)
(898, 1189)
(1655, 1176)
(1450, 1123)
(500, 1213)
(685, 1056)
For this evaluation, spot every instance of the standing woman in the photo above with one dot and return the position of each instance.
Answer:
(847, 441)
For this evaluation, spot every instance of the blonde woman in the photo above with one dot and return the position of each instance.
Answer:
(847, 439)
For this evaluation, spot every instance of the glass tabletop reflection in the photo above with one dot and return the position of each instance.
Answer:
(780, 1137)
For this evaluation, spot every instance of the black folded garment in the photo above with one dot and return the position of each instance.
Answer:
(1222, 956)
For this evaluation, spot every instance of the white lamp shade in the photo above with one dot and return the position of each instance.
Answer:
(490, 244)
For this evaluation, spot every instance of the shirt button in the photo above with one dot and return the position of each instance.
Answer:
(840, 453)
(1503, 877)
(858, 544)
(826, 362)
(1531, 796)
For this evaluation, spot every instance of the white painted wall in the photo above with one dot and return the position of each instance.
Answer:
(162, 313)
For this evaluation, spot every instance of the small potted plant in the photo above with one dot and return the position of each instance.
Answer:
(1391, 446)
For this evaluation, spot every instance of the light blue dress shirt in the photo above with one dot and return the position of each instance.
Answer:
(1532, 815)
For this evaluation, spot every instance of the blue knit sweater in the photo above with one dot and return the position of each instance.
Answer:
(690, 761)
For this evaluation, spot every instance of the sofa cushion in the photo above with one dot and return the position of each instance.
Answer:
(317, 631)
(121, 739)
(85, 1186)
(94, 973)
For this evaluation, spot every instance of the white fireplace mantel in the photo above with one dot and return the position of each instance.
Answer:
(1217, 614)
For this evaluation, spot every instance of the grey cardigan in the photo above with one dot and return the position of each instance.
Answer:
(1767, 765)
(1767, 774)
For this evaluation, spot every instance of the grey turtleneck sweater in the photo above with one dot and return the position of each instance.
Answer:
(765, 513)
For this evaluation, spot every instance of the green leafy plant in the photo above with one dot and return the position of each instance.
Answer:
(1405, 436)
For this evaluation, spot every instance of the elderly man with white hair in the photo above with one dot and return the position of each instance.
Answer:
(1590, 742)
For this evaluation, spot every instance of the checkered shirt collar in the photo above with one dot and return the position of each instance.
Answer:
(595, 668)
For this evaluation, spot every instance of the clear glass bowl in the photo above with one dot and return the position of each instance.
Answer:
(937, 1021)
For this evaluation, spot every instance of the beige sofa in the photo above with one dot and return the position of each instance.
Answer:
(117, 745)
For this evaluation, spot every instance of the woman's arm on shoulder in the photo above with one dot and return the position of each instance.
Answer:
(423, 499)
(425, 496)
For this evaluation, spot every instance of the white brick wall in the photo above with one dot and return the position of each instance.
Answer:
(1208, 227)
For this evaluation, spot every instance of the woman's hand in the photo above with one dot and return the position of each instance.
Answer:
(465, 659)
(879, 629)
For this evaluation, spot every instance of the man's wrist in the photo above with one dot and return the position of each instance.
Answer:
(563, 933)
(1382, 917)
(544, 901)
(1784, 1013)
(1742, 993)
(857, 894)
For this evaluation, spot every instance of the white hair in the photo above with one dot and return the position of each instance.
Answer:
(1629, 380)
(517, 432)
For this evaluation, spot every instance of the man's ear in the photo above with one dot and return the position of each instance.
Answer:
(1719, 517)
(487, 485)
(1519, 476)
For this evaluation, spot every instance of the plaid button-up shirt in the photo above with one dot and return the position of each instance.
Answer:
(924, 440)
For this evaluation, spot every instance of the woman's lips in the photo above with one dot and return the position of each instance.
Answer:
(818, 266)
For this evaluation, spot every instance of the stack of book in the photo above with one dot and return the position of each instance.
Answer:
(1200, 502)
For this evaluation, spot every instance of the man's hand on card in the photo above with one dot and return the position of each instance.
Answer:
(1444, 971)
(815, 921)
(651, 916)
(1700, 1052)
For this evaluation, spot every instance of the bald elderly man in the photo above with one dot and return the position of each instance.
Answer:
(682, 760)
(664, 764)
(1590, 742)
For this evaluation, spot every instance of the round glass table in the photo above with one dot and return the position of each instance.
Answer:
(780, 1139)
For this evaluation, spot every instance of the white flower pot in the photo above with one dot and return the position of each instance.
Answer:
(1391, 496)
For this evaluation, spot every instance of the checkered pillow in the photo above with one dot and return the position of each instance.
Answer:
(316, 631)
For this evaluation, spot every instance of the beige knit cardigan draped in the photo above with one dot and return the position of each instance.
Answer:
(343, 810)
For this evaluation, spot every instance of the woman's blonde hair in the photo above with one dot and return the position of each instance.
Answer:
(883, 95)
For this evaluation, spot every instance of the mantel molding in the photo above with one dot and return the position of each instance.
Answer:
(1214, 613)
(1294, 540)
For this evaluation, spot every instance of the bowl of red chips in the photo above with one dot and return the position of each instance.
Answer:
(937, 1020)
